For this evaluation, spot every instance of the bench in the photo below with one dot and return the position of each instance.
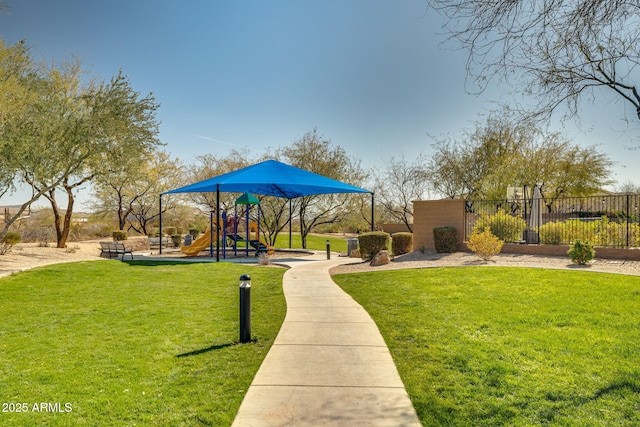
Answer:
(155, 241)
(114, 248)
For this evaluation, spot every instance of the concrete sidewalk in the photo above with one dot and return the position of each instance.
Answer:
(329, 365)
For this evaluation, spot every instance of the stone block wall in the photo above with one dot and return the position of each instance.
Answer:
(429, 214)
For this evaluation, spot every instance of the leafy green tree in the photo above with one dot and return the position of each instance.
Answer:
(316, 154)
(506, 151)
(94, 122)
(27, 124)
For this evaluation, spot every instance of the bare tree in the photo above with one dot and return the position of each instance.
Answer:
(208, 166)
(129, 192)
(399, 184)
(560, 51)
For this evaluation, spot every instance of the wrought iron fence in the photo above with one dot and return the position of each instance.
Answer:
(605, 221)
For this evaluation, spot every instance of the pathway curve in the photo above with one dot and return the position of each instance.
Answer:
(329, 365)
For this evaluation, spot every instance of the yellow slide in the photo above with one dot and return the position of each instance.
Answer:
(200, 244)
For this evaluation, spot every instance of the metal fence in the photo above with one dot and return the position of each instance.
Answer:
(604, 221)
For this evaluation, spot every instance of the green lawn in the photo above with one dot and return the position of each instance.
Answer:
(316, 242)
(131, 343)
(510, 346)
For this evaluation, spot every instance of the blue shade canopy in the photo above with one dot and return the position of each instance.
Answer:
(271, 178)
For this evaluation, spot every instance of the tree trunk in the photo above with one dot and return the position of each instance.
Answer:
(62, 239)
(62, 224)
(57, 222)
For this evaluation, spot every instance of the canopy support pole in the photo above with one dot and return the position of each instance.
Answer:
(211, 234)
(160, 223)
(246, 243)
(217, 223)
(290, 223)
(372, 207)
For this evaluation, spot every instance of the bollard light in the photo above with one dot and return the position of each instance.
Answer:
(328, 250)
(245, 308)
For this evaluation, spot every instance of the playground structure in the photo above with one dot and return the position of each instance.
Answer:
(268, 178)
(231, 232)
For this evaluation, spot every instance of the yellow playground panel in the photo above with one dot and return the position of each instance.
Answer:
(232, 232)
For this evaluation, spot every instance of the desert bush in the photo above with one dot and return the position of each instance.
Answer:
(373, 242)
(264, 258)
(581, 252)
(445, 239)
(551, 233)
(38, 234)
(119, 235)
(194, 232)
(8, 241)
(505, 227)
(634, 235)
(177, 240)
(99, 230)
(586, 231)
(484, 244)
(401, 243)
(611, 233)
(170, 231)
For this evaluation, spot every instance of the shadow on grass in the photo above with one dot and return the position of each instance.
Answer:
(631, 386)
(206, 350)
(157, 263)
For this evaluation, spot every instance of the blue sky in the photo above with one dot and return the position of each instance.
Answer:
(249, 74)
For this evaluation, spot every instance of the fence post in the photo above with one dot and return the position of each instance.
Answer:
(628, 221)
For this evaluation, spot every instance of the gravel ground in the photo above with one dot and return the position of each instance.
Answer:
(420, 260)
(28, 255)
(24, 256)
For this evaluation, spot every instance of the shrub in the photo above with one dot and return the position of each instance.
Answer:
(551, 233)
(177, 240)
(8, 241)
(119, 235)
(586, 231)
(194, 232)
(445, 239)
(264, 258)
(505, 227)
(373, 242)
(485, 244)
(401, 243)
(170, 231)
(634, 235)
(40, 234)
(581, 252)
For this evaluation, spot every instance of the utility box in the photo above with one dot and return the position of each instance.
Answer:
(352, 245)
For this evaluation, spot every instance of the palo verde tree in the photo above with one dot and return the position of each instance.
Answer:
(30, 118)
(94, 121)
(559, 51)
(316, 154)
